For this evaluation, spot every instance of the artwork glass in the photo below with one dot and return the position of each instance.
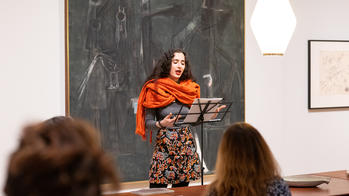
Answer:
(328, 74)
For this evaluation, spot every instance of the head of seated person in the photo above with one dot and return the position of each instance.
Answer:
(245, 164)
(60, 156)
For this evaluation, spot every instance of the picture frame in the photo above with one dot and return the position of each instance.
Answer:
(113, 45)
(328, 74)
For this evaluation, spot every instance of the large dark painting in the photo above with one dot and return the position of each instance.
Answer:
(112, 47)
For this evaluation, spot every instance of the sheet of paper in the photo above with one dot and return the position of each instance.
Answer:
(152, 191)
(194, 110)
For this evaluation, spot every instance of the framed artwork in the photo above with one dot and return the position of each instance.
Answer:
(112, 46)
(328, 74)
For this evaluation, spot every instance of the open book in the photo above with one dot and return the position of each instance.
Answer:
(194, 111)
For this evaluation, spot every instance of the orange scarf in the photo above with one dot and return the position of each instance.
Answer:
(160, 93)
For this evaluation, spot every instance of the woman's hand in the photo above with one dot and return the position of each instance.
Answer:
(167, 121)
(217, 110)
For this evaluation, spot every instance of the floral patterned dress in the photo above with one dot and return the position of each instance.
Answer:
(174, 159)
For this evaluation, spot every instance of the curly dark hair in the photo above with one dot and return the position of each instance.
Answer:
(60, 156)
(163, 66)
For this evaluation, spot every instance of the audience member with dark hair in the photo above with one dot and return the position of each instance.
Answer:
(245, 165)
(59, 157)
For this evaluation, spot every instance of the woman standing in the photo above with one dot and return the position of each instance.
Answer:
(246, 166)
(167, 89)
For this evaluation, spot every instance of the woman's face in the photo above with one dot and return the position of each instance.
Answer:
(177, 66)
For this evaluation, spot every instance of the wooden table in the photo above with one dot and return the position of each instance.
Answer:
(180, 191)
(339, 185)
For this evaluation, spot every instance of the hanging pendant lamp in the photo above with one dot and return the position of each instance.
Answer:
(273, 23)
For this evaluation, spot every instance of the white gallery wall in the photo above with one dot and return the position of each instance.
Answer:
(303, 141)
(31, 67)
(32, 82)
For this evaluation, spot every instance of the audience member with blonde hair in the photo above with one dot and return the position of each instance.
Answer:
(245, 165)
(60, 156)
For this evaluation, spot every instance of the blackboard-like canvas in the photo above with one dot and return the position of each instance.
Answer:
(112, 47)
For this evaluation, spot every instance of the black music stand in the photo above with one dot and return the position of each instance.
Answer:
(206, 109)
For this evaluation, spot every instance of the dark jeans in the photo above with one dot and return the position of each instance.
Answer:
(181, 184)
